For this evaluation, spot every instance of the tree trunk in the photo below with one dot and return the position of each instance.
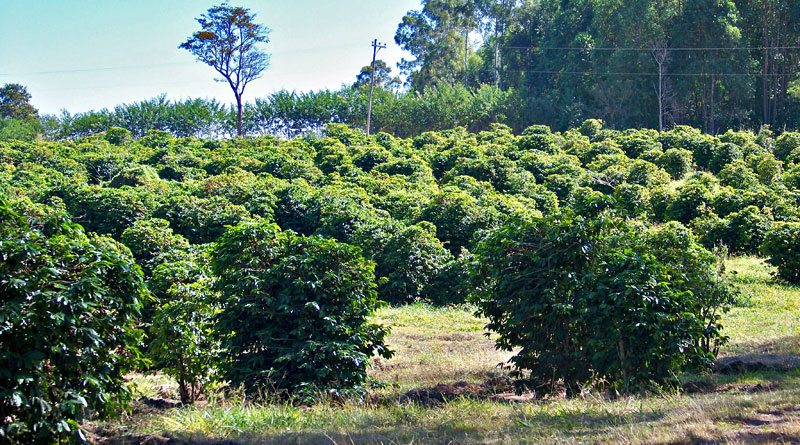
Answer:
(496, 54)
(466, 56)
(239, 115)
(765, 80)
(713, 87)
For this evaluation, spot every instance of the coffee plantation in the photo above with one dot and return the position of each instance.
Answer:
(255, 263)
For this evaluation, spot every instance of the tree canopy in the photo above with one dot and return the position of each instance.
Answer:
(229, 41)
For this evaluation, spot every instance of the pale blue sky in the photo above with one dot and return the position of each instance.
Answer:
(90, 54)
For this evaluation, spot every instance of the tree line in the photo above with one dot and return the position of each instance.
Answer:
(714, 65)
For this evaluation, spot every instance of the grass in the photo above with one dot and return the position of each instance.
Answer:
(769, 321)
(447, 345)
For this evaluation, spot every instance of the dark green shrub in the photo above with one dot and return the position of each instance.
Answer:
(591, 128)
(605, 147)
(677, 162)
(410, 261)
(183, 345)
(744, 231)
(646, 174)
(689, 202)
(239, 187)
(156, 139)
(107, 211)
(117, 136)
(458, 217)
(68, 308)
(590, 202)
(633, 199)
(370, 157)
(563, 186)
(661, 199)
(785, 144)
(637, 143)
(740, 138)
(709, 229)
(297, 208)
(200, 220)
(723, 155)
(101, 167)
(537, 137)
(139, 175)
(781, 246)
(599, 299)
(150, 240)
(738, 175)
(294, 313)
(701, 145)
(767, 167)
(543, 165)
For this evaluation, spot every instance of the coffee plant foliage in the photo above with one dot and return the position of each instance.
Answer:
(68, 328)
(612, 300)
(417, 208)
(294, 312)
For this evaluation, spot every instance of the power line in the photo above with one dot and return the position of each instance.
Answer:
(110, 68)
(158, 65)
(622, 48)
(623, 73)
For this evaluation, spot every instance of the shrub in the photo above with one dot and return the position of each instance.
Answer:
(744, 231)
(689, 202)
(677, 162)
(410, 262)
(140, 175)
(458, 217)
(768, 168)
(371, 157)
(647, 174)
(156, 139)
(200, 220)
(605, 147)
(701, 145)
(738, 175)
(117, 136)
(723, 155)
(591, 128)
(633, 199)
(183, 344)
(149, 240)
(294, 312)
(106, 210)
(635, 144)
(67, 325)
(781, 246)
(599, 299)
(537, 137)
(785, 144)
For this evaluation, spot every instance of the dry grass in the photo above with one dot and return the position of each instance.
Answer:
(435, 345)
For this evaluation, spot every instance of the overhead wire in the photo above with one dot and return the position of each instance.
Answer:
(622, 48)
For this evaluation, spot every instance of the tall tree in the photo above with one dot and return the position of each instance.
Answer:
(713, 80)
(438, 37)
(771, 28)
(15, 103)
(230, 41)
(383, 76)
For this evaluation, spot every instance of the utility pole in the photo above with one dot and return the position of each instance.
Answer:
(375, 48)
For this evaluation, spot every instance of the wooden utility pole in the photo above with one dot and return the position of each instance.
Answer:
(375, 48)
